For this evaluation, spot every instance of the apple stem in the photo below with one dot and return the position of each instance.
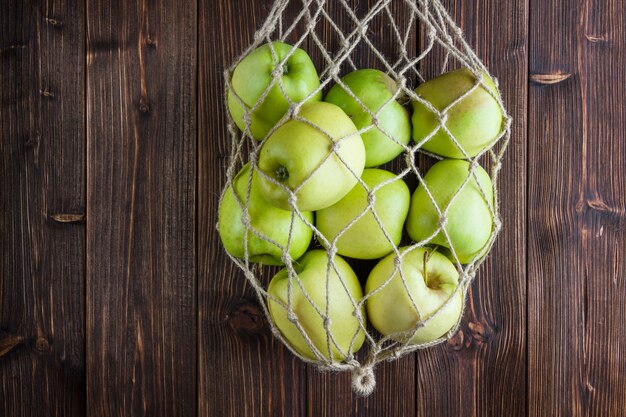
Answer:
(281, 173)
(426, 256)
(285, 69)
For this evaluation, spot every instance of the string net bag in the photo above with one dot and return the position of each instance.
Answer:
(411, 41)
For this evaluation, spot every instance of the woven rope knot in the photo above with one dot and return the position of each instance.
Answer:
(285, 257)
(293, 110)
(291, 316)
(465, 277)
(443, 118)
(247, 119)
(327, 322)
(371, 198)
(443, 220)
(409, 158)
(293, 200)
(363, 380)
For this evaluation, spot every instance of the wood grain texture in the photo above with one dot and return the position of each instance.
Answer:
(576, 217)
(42, 175)
(481, 371)
(242, 369)
(141, 134)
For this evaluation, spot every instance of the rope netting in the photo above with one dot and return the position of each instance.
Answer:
(325, 321)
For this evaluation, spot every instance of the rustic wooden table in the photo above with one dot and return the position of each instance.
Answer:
(116, 298)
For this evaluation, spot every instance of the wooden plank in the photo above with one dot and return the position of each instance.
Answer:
(242, 369)
(42, 180)
(576, 216)
(141, 135)
(482, 370)
(330, 394)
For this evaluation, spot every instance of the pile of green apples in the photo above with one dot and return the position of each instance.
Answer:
(313, 172)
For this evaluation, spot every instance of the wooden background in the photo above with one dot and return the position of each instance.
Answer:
(116, 298)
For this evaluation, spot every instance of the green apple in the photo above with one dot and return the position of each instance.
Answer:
(255, 73)
(300, 158)
(315, 274)
(375, 90)
(469, 221)
(365, 238)
(266, 219)
(475, 121)
(431, 279)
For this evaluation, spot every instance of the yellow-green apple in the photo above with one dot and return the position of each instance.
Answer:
(475, 121)
(365, 239)
(254, 74)
(318, 159)
(270, 221)
(375, 90)
(469, 221)
(431, 280)
(315, 275)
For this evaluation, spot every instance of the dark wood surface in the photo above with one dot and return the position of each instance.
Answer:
(576, 211)
(42, 209)
(116, 298)
(141, 191)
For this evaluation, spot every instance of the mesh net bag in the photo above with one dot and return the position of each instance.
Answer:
(322, 310)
